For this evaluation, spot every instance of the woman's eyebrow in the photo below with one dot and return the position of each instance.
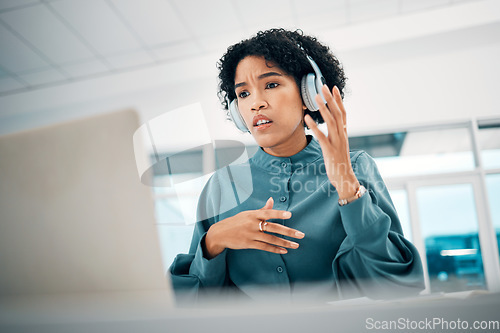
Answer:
(262, 76)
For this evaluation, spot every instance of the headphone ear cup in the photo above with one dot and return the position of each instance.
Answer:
(308, 91)
(236, 117)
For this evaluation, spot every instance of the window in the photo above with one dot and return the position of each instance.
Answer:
(423, 152)
(449, 227)
(493, 187)
(400, 200)
(437, 183)
(174, 230)
(489, 144)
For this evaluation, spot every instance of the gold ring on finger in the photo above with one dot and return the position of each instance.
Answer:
(262, 226)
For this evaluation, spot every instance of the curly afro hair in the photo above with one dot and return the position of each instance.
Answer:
(281, 47)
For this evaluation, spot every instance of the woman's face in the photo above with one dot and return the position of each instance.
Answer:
(269, 101)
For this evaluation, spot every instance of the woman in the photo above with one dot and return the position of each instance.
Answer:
(318, 219)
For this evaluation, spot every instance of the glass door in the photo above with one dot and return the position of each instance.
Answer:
(452, 234)
(449, 226)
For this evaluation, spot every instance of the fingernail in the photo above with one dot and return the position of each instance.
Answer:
(299, 234)
(287, 215)
(283, 251)
(294, 245)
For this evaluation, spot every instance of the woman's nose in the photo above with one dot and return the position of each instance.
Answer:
(259, 103)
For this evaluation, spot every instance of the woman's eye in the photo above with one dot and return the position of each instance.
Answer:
(243, 94)
(272, 85)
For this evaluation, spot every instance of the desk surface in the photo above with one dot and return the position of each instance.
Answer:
(457, 312)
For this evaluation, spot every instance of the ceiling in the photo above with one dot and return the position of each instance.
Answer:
(53, 42)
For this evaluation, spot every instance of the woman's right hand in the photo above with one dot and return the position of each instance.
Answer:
(242, 231)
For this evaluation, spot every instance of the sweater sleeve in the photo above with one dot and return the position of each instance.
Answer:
(375, 259)
(192, 272)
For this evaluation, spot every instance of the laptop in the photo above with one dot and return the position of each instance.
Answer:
(77, 226)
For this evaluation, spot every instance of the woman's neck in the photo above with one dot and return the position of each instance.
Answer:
(290, 148)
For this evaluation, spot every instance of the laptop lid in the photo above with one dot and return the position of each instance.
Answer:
(74, 216)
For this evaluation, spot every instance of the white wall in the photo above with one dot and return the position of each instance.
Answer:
(446, 77)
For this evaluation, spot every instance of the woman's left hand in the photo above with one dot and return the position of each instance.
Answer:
(335, 146)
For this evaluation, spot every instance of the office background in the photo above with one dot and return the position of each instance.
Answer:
(422, 98)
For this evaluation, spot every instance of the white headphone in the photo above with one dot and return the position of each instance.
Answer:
(310, 86)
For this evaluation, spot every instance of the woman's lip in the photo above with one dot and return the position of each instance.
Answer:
(263, 126)
(259, 117)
